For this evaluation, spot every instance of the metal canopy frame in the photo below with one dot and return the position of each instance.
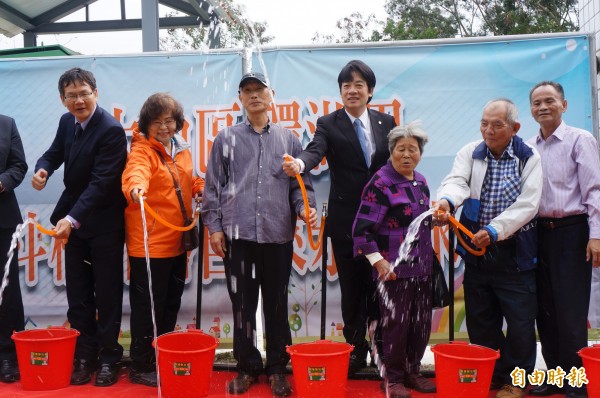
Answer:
(198, 12)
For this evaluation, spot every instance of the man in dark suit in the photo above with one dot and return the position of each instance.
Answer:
(93, 147)
(354, 141)
(12, 171)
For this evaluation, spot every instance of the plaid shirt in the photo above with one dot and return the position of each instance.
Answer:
(501, 186)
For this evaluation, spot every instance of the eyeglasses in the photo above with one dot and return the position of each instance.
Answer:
(75, 97)
(159, 123)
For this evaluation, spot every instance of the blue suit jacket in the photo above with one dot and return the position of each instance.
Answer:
(12, 171)
(92, 173)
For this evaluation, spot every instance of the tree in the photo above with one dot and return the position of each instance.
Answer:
(236, 31)
(449, 18)
(424, 19)
(353, 28)
(428, 19)
(502, 17)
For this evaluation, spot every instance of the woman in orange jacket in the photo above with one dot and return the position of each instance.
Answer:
(159, 159)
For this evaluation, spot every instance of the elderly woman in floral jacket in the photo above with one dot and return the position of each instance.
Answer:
(395, 196)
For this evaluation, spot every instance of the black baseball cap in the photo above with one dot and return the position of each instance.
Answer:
(259, 77)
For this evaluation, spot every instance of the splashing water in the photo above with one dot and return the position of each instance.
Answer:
(19, 232)
(403, 256)
(411, 238)
(154, 330)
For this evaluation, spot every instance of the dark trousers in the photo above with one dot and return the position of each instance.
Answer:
(168, 281)
(248, 267)
(495, 291)
(405, 305)
(11, 310)
(360, 305)
(94, 277)
(564, 283)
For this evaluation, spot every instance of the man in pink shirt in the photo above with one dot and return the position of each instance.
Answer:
(569, 245)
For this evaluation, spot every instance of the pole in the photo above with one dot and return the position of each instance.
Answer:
(200, 266)
(323, 270)
(451, 282)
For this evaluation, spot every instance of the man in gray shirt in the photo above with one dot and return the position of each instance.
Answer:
(249, 208)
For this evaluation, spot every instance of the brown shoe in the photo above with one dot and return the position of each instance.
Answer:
(280, 386)
(508, 391)
(241, 383)
(419, 383)
(397, 390)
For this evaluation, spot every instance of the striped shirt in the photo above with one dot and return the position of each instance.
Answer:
(571, 168)
(501, 185)
(247, 195)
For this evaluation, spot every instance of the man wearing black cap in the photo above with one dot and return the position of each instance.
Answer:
(354, 141)
(250, 208)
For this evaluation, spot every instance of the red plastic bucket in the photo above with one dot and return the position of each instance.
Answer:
(463, 369)
(45, 357)
(591, 362)
(185, 362)
(320, 368)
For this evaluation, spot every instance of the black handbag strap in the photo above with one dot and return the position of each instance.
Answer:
(177, 187)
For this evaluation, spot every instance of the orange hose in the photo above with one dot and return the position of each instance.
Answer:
(314, 245)
(44, 230)
(150, 210)
(459, 227)
(168, 224)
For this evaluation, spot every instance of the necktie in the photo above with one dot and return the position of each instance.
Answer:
(362, 138)
(78, 131)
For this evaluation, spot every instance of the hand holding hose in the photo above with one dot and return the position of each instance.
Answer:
(441, 211)
(480, 240)
(314, 245)
(290, 165)
(312, 218)
(136, 193)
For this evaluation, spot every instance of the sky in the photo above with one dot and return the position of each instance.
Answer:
(290, 22)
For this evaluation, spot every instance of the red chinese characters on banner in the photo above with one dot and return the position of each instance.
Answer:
(209, 121)
(32, 250)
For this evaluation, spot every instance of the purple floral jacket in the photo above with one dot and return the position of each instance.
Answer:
(388, 204)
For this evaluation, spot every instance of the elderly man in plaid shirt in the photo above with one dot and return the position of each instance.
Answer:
(498, 181)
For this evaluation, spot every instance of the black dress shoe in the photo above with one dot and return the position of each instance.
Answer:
(108, 374)
(241, 383)
(545, 390)
(9, 371)
(82, 371)
(147, 378)
(496, 384)
(280, 386)
(577, 394)
(356, 363)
